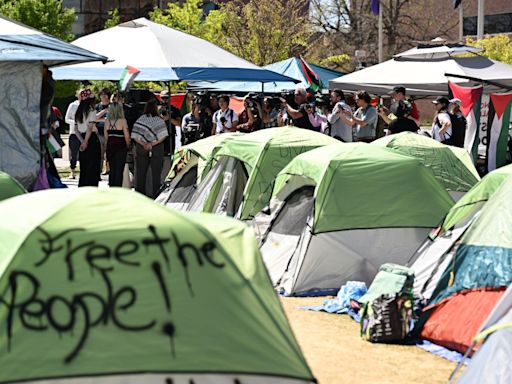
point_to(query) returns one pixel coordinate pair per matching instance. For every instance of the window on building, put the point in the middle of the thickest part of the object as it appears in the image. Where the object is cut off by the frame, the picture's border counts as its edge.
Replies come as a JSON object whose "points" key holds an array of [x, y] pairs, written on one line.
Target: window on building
{"points": [[501, 23]]}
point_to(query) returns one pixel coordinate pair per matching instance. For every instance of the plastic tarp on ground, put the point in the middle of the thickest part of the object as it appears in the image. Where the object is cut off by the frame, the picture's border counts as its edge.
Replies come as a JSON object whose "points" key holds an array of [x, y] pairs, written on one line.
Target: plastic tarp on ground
{"points": [[482, 262], [9, 187], [292, 67], [451, 166], [161, 53], [364, 213], [124, 293], [421, 76]]}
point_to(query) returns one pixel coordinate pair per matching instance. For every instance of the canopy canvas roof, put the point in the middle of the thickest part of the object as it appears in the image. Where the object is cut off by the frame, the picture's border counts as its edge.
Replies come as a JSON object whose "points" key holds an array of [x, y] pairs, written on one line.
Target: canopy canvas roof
{"points": [[161, 53], [21, 43], [426, 73], [138, 295], [293, 67]]}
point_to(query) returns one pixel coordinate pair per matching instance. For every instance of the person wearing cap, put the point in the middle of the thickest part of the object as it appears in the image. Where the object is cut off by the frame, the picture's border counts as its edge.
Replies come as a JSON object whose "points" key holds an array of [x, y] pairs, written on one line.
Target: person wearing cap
{"points": [[339, 117], [459, 123], [442, 125], [365, 118], [398, 94], [401, 123], [90, 148]]}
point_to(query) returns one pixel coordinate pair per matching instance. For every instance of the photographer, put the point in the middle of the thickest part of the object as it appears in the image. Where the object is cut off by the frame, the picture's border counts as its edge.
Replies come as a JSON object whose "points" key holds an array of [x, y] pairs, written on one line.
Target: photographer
{"points": [[253, 112], [270, 113], [300, 116], [191, 125], [225, 119]]}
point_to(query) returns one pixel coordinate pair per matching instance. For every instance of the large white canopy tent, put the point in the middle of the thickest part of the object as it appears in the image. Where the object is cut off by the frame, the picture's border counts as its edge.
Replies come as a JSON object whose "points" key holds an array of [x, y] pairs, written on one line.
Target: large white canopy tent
{"points": [[23, 53], [426, 69], [161, 54]]}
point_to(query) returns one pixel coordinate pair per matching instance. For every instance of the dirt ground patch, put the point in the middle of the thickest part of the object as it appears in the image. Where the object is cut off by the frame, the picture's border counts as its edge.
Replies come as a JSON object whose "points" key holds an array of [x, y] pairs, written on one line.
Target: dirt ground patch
{"points": [[336, 354]]}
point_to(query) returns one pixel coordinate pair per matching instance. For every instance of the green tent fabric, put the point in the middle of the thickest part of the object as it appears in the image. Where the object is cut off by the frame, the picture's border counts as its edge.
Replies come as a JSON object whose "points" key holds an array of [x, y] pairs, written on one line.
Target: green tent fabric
{"points": [[477, 196], [201, 150], [370, 175], [484, 256], [9, 186], [452, 166], [264, 153], [108, 285]]}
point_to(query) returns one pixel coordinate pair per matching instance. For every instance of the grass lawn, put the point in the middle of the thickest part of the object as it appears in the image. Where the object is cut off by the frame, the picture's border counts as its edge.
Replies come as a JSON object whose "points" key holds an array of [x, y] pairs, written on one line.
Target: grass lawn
{"points": [[336, 353]]}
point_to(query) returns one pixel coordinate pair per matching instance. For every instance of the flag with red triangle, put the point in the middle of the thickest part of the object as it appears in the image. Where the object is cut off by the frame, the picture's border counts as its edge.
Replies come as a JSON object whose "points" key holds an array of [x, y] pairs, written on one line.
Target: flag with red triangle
{"points": [[315, 83], [127, 77], [471, 98], [497, 130]]}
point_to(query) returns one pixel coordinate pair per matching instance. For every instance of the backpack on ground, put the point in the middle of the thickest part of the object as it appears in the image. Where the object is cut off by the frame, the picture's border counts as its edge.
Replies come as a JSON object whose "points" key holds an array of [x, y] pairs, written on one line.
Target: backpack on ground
{"points": [[387, 307]]}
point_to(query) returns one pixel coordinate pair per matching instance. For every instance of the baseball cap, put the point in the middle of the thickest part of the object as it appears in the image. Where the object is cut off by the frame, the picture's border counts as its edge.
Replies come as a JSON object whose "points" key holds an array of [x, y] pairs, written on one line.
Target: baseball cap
{"points": [[456, 101], [441, 100]]}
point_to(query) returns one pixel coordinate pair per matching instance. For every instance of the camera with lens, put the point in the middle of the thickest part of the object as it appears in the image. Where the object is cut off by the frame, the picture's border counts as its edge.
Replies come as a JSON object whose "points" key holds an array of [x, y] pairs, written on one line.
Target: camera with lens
{"points": [[202, 99]]}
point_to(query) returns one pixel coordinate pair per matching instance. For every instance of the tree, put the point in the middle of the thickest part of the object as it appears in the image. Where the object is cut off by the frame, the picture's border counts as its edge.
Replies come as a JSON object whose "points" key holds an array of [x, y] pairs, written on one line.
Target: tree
{"points": [[497, 47], [266, 31], [113, 18], [48, 16]]}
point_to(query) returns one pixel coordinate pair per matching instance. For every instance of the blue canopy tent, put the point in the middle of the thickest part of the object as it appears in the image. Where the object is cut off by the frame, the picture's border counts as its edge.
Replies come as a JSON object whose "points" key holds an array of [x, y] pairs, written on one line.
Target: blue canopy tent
{"points": [[23, 53], [161, 54], [295, 67]]}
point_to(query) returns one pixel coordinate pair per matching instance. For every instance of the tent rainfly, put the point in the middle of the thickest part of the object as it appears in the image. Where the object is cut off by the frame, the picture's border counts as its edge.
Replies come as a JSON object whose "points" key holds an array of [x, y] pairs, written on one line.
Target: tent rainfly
{"points": [[161, 54], [472, 284], [240, 183], [126, 294], [339, 212], [188, 166], [452, 166], [9, 187], [436, 253]]}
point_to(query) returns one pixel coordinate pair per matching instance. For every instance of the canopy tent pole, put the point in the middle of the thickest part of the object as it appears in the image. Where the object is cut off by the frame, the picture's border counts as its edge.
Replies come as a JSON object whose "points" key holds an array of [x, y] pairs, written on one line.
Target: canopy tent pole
{"points": [[381, 37]]}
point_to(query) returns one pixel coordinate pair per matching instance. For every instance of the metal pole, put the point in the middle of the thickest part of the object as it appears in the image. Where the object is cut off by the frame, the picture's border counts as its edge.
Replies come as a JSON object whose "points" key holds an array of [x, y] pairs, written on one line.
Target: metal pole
{"points": [[461, 23], [381, 34], [480, 20]]}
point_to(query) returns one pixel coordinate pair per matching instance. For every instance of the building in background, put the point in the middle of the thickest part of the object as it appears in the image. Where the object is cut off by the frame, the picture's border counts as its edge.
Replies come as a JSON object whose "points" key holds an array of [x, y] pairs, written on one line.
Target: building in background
{"points": [[497, 19]]}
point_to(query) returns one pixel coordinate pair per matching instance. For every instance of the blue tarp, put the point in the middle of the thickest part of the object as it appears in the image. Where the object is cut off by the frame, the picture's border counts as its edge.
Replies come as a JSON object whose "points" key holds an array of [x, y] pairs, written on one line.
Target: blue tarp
{"points": [[291, 67]]}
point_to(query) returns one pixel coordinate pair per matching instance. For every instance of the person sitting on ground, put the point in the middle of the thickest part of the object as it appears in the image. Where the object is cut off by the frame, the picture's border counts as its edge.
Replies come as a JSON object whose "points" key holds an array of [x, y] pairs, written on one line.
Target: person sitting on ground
{"points": [[401, 123], [442, 125]]}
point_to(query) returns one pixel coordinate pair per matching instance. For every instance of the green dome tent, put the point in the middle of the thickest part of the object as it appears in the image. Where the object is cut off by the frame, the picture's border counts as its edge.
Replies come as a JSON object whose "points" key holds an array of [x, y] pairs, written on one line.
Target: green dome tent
{"points": [[240, 183], [9, 186], [451, 166], [475, 279], [105, 286], [340, 211], [188, 166], [436, 253]]}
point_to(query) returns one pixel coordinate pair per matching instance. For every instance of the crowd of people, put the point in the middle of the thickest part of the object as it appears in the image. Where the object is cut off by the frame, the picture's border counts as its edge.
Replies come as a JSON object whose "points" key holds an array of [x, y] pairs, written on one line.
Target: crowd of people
{"points": [[102, 137]]}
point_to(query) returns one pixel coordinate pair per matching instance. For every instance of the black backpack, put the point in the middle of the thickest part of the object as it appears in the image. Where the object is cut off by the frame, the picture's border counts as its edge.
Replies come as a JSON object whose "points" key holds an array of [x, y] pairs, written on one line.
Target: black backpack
{"points": [[459, 124]]}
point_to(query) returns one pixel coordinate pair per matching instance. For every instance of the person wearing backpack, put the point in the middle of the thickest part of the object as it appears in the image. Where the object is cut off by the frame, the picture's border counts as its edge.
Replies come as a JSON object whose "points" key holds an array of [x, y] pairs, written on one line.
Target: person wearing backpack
{"points": [[459, 123], [442, 125], [224, 119]]}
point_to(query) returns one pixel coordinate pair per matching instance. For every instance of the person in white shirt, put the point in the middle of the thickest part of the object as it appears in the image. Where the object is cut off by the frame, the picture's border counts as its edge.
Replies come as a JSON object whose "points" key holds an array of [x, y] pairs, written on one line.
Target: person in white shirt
{"points": [[442, 125], [224, 119], [74, 142]]}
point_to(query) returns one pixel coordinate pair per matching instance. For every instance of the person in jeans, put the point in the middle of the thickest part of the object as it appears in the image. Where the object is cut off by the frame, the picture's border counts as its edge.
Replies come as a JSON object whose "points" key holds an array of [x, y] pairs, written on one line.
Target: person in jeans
{"points": [[118, 142], [149, 132]]}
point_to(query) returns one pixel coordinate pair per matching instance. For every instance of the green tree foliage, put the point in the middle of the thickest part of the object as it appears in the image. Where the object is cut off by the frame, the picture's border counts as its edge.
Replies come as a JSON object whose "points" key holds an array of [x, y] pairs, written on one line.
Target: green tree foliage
{"points": [[498, 47], [266, 31], [189, 17], [48, 16], [113, 18]]}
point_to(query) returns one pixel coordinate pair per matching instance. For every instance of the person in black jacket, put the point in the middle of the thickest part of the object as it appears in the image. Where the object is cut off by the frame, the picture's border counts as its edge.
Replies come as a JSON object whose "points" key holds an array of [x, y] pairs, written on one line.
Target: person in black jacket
{"points": [[402, 123]]}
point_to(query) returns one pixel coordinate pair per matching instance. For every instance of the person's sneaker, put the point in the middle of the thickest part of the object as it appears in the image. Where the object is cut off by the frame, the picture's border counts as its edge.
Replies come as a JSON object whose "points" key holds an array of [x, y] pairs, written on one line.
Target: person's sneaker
{"points": [[71, 177]]}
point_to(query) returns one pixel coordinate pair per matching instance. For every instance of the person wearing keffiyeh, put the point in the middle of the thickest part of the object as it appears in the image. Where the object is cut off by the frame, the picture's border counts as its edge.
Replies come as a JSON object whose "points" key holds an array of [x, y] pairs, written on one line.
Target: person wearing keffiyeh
{"points": [[149, 132]]}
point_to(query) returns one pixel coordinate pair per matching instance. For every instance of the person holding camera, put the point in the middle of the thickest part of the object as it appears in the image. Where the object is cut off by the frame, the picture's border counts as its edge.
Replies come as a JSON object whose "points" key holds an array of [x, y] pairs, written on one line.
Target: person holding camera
{"points": [[269, 114], [300, 117], [224, 119], [339, 117], [191, 125]]}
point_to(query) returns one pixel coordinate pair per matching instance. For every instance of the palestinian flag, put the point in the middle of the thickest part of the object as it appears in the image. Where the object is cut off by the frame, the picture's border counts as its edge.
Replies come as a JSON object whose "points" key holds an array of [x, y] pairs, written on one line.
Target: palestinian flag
{"points": [[497, 130], [52, 144], [129, 74], [313, 79], [471, 98]]}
